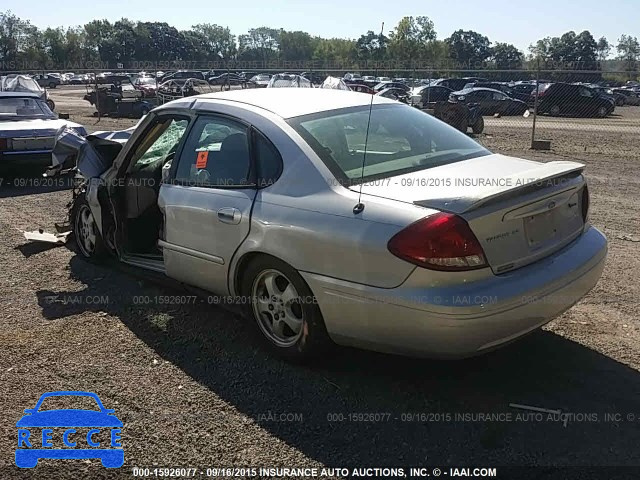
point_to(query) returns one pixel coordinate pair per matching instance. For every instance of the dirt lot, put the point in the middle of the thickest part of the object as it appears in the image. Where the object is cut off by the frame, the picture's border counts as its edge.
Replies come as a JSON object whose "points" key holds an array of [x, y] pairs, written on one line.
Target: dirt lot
{"points": [[194, 389]]}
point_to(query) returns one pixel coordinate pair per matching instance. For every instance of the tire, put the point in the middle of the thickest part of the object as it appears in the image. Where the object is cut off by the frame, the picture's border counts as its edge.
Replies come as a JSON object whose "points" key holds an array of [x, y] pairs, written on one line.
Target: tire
{"points": [[88, 239], [289, 326], [554, 111], [620, 102], [478, 126], [51, 104], [602, 112], [52, 85]]}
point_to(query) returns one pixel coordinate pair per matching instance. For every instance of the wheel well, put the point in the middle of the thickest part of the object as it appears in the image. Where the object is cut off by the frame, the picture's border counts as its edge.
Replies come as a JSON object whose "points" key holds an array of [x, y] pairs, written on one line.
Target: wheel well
{"points": [[243, 263]]}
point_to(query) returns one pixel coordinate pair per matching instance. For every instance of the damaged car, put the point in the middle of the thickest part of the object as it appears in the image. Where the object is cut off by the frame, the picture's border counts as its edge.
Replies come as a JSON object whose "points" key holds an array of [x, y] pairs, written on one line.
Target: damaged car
{"points": [[28, 128], [310, 207]]}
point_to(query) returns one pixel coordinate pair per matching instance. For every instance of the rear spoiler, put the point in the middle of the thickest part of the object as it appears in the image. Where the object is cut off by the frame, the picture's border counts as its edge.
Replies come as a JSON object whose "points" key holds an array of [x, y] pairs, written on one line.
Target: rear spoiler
{"points": [[545, 174]]}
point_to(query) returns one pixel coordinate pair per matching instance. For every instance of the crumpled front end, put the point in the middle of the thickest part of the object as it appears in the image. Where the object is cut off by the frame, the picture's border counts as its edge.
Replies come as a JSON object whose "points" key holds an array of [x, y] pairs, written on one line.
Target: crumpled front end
{"points": [[93, 154]]}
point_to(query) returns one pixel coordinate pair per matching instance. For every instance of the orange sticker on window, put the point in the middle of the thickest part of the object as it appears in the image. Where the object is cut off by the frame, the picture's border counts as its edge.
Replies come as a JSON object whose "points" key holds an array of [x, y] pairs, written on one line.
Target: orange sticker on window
{"points": [[201, 161]]}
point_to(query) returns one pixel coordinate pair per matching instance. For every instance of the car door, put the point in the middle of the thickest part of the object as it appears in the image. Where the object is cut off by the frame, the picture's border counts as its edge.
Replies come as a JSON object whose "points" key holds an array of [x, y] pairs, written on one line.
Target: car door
{"points": [[207, 202], [500, 103]]}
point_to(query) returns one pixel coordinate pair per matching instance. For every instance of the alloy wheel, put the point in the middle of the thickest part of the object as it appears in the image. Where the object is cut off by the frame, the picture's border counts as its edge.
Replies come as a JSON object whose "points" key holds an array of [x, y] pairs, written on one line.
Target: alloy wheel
{"points": [[86, 235], [277, 308]]}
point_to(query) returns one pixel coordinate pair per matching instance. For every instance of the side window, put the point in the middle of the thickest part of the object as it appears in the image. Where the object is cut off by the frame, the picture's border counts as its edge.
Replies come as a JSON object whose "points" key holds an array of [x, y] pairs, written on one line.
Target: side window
{"points": [[159, 144], [216, 153], [585, 92], [269, 162], [498, 96]]}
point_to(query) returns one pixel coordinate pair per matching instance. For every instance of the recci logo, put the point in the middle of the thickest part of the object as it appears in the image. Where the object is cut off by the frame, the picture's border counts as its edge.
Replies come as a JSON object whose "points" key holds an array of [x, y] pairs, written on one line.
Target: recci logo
{"points": [[102, 430]]}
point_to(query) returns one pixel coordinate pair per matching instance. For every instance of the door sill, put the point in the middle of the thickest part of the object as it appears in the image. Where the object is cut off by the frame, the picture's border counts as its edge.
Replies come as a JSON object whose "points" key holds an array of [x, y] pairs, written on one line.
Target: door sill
{"points": [[148, 262]]}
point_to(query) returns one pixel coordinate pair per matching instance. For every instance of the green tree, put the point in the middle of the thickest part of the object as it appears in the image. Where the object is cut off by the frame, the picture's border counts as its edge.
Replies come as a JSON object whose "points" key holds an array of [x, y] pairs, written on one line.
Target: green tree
{"points": [[259, 44], [218, 41], [411, 38], [507, 56], [603, 48], [469, 48], [372, 46], [296, 46], [629, 52]]}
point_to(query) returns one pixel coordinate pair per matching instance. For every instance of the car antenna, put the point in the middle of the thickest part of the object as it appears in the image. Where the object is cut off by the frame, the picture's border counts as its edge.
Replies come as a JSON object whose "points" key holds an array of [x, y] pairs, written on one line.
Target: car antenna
{"points": [[359, 207]]}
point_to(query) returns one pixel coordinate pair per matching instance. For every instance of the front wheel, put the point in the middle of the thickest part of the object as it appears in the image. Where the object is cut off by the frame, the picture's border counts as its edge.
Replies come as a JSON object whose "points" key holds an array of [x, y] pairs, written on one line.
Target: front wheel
{"points": [[284, 309], [85, 231], [602, 112], [554, 111]]}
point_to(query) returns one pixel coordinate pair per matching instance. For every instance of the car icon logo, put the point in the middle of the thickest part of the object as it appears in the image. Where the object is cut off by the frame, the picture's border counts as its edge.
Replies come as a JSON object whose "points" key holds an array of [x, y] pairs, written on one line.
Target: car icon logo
{"points": [[32, 447]]}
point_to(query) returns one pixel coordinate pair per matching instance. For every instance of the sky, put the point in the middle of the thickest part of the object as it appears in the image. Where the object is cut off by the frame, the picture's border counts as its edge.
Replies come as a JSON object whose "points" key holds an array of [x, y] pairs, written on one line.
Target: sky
{"points": [[512, 21]]}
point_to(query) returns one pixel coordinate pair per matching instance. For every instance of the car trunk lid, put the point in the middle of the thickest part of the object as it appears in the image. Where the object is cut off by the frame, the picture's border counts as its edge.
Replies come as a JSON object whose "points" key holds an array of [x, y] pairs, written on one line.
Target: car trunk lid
{"points": [[520, 210]]}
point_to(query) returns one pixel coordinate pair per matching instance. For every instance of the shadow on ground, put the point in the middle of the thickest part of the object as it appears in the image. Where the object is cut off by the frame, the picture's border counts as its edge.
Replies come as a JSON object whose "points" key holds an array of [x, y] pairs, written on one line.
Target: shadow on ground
{"points": [[337, 396]]}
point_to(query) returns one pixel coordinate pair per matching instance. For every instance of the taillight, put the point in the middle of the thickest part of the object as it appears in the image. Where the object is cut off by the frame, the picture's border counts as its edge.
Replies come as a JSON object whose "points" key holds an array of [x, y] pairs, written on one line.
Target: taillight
{"points": [[585, 203], [3, 144], [439, 242]]}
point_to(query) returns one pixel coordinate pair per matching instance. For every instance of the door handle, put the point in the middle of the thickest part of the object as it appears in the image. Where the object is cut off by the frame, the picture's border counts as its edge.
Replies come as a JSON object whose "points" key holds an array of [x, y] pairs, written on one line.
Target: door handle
{"points": [[230, 215]]}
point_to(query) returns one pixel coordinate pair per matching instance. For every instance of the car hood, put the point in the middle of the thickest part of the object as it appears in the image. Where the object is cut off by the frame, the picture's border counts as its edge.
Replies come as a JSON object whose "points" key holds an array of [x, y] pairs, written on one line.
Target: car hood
{"points": [[34, 127], [69, 418], [463, 186]]}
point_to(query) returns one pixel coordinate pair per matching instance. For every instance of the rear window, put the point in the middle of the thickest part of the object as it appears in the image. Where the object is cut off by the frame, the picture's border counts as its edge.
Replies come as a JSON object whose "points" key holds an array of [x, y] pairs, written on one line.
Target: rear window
{"points": [[23, 107], [401, 139]]}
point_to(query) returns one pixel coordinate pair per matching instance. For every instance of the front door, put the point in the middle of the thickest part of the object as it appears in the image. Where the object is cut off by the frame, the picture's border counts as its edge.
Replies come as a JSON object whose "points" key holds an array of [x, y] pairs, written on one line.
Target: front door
{"points": [[207, 203]]}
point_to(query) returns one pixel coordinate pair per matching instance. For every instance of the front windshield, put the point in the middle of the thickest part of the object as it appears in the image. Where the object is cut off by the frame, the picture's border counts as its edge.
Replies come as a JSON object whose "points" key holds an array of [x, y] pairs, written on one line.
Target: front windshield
{"points": [[401, 139], [23, 107]]}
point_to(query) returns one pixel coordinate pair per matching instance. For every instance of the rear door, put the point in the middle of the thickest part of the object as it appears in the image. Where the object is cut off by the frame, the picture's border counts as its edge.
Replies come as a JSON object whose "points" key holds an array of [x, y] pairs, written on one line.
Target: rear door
{"points": [[207, 204]]}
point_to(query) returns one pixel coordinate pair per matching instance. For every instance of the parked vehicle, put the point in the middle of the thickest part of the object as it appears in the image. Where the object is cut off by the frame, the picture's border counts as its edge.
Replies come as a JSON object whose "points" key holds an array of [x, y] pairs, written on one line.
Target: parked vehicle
{"points": [[523, 91], [118, 101], [78, 80], [428, 96], [147, 85], [454, 84], [181, 75], [490, 101], [259, 81], [566, 99], [316, 263], [606, 92], [352, 77], [630, 97], [226, 79], [388, 84], [25, 84], [289, 80], [28, 128], [460, 116], [356, 87], [48, 81], [394, 93]]}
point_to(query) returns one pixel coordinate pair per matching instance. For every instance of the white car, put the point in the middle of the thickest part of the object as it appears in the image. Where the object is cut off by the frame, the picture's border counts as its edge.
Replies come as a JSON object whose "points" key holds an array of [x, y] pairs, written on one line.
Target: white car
{"points": [[28, 128]]}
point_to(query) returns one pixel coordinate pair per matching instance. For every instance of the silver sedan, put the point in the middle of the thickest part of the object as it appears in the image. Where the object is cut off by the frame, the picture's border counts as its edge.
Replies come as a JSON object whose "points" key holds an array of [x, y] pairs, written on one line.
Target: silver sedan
{"points": [[336, 220]]}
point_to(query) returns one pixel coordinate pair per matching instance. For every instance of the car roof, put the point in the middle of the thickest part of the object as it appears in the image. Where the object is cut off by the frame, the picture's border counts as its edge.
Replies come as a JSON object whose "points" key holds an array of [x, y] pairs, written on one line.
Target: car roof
{"points": [[294, 102], [19, 94]]}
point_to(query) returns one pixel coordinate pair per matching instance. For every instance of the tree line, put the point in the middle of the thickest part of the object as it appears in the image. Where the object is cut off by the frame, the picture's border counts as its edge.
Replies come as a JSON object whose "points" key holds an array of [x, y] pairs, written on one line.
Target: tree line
{"points": [[414, 39]]}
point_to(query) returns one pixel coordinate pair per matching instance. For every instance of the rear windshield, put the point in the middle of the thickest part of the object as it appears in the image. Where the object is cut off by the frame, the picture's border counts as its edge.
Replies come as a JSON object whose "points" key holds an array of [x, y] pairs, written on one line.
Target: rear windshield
{"points": [[401, 139], [20, 107]]}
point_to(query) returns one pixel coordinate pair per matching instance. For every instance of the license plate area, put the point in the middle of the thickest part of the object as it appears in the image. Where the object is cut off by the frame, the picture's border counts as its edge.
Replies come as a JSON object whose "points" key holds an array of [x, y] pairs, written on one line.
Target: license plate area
{"points": [[541, 228], [32, 143]]}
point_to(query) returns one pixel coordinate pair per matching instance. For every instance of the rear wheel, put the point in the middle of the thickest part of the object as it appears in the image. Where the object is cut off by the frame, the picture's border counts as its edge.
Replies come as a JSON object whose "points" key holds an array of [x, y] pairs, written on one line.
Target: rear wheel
{"points": [[85, 231], [554, 111], [478, 126], [620, 102], [284, 309], [602, 112], [52, 85]]}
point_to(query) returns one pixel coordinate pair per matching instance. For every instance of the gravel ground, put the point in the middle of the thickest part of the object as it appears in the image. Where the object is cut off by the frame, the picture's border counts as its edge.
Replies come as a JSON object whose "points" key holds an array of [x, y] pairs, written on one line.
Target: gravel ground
{"points": [[194, 389]]}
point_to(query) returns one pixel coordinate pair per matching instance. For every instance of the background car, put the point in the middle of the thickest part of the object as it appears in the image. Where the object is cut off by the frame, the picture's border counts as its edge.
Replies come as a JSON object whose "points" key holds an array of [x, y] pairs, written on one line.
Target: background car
{"points": [[48, 81], [566, 99], [631, 97], [427, 96], [390, 84], [259, 81], [28, 128], [490, 101], [356, 87]]}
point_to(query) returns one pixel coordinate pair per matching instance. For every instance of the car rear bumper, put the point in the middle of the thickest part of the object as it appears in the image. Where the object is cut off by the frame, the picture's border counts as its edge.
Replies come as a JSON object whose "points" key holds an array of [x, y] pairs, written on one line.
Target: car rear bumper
{"points": [[464, 319]]}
